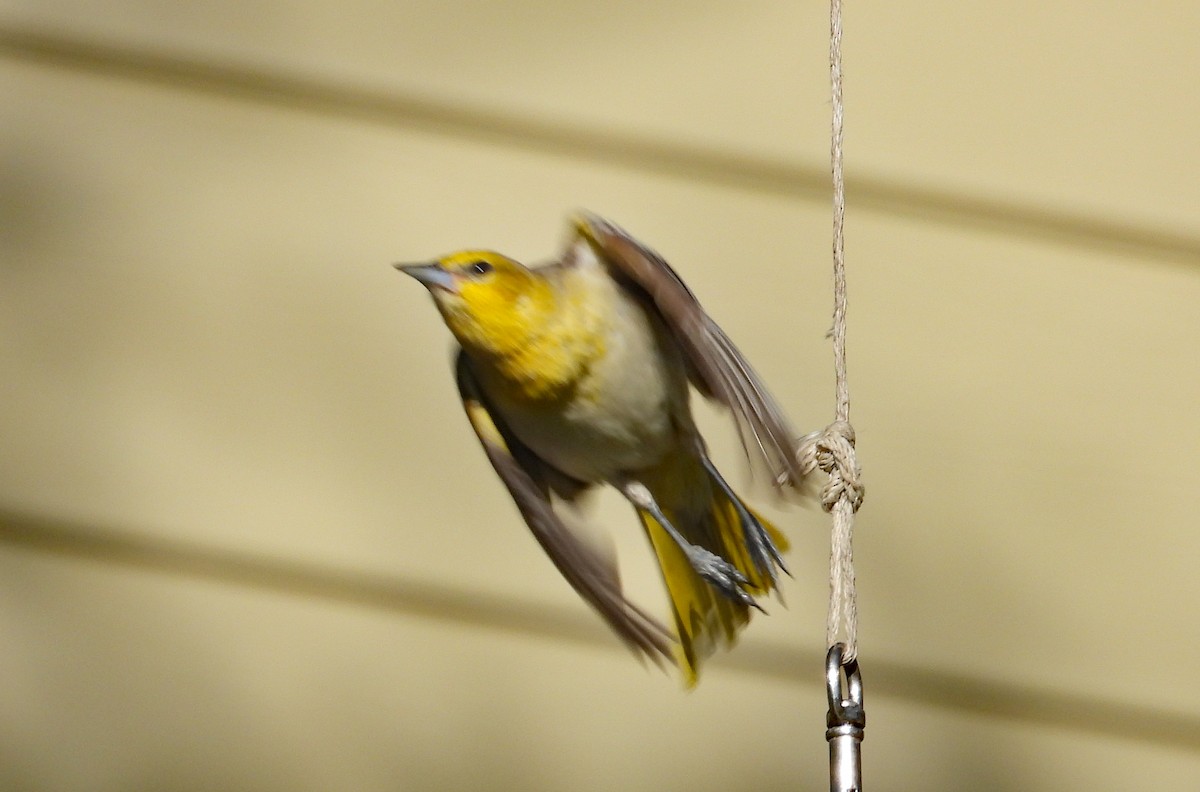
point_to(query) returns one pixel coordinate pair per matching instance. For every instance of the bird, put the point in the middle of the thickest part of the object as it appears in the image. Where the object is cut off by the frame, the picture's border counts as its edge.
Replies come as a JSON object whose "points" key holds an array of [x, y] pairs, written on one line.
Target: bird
{"points": [[577, 374]]}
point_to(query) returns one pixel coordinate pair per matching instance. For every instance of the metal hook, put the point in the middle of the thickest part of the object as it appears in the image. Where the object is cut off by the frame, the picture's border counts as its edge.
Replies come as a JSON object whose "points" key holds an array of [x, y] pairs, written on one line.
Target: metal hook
{"points": [[846, 721]]}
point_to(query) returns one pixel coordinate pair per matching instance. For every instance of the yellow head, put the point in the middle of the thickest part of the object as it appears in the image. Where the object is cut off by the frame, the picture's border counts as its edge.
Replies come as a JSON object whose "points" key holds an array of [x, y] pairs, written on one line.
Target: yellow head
{"points": [[495, 306]]}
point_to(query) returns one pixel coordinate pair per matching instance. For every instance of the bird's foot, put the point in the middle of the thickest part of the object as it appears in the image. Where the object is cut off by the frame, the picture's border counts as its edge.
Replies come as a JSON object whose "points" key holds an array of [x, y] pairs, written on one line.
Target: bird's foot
{"points": [[721, 575]]}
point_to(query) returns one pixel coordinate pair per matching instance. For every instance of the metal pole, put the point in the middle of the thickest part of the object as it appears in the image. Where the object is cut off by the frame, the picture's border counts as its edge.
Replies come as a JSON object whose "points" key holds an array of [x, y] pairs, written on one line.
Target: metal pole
{"points": [[846, 721]]}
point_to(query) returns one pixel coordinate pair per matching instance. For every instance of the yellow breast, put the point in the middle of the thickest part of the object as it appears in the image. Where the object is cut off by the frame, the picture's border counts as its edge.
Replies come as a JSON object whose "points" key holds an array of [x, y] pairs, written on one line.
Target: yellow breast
{"points": [[541, 335], [604, 393]]}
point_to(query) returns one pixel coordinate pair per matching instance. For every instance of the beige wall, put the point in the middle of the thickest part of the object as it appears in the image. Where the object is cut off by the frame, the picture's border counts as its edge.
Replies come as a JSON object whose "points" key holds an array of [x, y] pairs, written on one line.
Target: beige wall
{"points": [[247, 540]]}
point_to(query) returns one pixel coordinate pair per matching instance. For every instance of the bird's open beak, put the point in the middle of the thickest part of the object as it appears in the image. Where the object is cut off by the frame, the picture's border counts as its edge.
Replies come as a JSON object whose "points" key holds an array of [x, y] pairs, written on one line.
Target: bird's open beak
{"points": [[433, 276]]}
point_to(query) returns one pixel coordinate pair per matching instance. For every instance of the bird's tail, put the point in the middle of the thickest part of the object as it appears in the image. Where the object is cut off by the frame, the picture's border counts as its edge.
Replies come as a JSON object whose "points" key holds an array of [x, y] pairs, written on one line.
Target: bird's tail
{"points": [[708, 513]]}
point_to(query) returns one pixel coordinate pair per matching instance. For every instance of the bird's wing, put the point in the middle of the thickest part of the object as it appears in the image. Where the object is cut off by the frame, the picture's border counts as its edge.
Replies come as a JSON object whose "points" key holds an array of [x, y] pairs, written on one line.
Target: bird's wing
{"points": [[528, 479], [718, 369]]}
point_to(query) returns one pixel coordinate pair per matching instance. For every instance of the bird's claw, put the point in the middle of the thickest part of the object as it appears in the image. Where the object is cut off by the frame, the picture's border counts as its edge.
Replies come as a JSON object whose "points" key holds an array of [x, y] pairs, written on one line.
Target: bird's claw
{"points": [[724, 576]]}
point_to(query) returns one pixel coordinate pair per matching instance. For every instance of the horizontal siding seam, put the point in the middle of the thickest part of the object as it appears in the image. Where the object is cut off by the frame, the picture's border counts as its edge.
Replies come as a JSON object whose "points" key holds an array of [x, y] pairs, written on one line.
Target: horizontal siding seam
{"points": [[624, 150], [498, 611]]}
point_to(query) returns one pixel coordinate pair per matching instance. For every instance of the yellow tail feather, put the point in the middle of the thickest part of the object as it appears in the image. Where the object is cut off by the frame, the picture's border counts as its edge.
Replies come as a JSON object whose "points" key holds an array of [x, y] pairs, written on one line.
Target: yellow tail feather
{"points": [[705, 618]]}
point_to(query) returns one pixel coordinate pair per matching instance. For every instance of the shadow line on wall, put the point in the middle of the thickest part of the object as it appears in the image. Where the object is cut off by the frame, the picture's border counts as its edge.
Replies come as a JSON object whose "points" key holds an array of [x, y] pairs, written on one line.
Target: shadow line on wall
{"points": [[489, 610], [616, 148]]}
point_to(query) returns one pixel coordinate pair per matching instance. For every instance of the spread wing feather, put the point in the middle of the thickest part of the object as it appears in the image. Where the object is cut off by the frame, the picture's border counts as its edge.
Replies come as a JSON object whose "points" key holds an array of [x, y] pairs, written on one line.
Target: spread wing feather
{"points": [[529, 480], [718, 369]]}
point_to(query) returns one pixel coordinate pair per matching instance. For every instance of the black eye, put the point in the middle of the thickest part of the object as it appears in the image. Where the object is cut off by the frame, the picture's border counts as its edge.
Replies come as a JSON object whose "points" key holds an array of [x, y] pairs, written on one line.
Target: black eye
{"points": [[480, 268]]}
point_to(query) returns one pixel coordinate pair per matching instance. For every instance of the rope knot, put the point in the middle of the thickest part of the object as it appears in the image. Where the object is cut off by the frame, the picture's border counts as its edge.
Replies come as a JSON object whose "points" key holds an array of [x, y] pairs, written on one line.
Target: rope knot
{"points": [[832, 450]]}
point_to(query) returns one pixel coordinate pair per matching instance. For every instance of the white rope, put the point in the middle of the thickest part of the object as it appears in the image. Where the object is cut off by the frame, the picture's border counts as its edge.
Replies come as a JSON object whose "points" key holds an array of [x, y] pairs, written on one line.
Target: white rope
{"points": [[832, 450]]}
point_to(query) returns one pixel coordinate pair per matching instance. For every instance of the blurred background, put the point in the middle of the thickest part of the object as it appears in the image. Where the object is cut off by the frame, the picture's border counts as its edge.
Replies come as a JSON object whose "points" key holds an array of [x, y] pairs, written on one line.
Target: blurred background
{"points": [[248, 541]]}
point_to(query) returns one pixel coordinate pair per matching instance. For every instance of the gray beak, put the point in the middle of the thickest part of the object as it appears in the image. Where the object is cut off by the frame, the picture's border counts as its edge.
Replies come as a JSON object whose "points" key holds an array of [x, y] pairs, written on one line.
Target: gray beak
{"points": [[432, 276]]}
